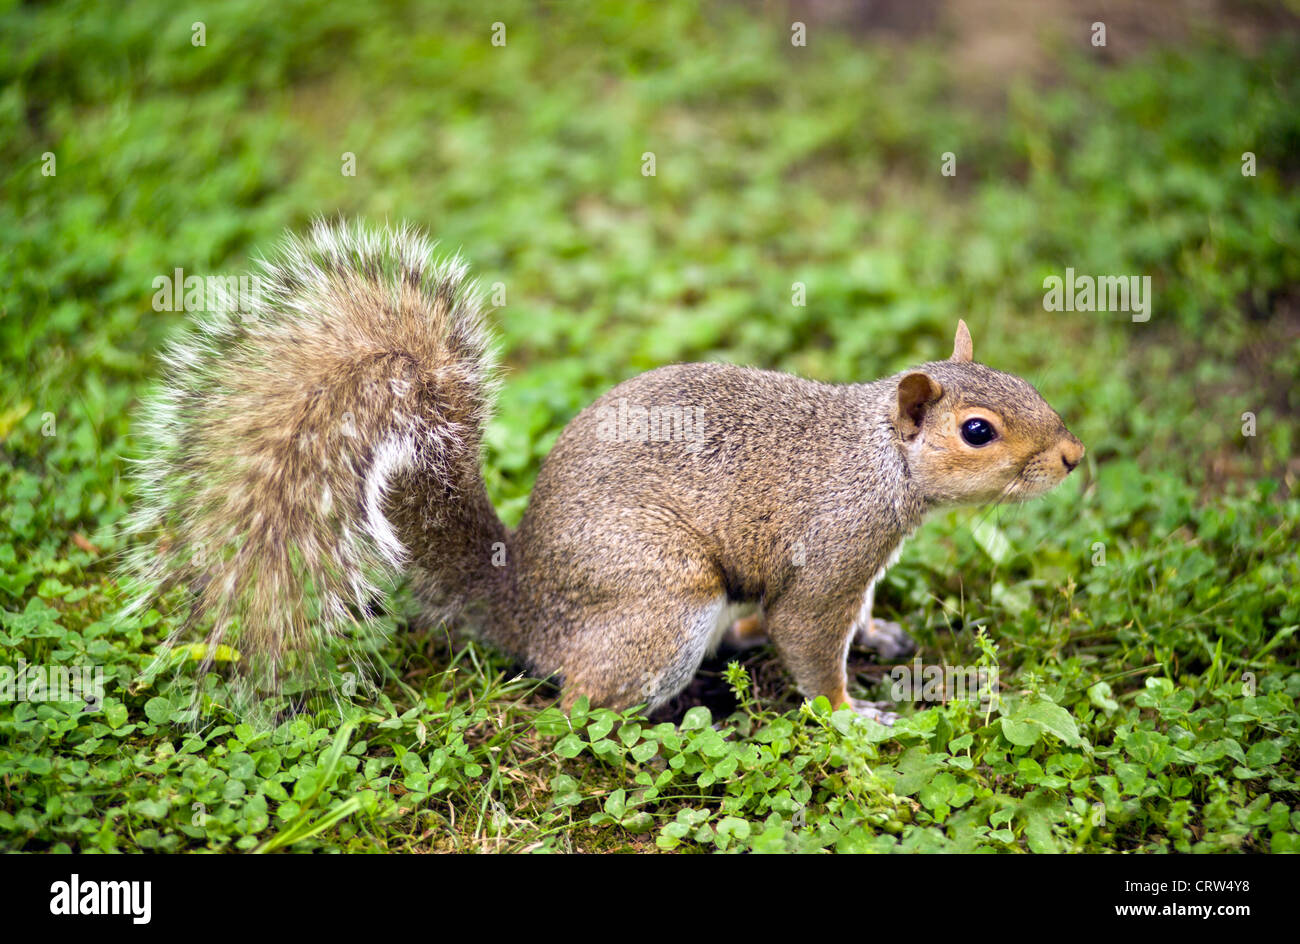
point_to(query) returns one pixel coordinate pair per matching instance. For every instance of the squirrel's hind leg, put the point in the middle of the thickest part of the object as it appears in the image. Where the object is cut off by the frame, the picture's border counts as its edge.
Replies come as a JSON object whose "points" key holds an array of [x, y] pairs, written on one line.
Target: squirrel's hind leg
{"points": [[637, 654]]}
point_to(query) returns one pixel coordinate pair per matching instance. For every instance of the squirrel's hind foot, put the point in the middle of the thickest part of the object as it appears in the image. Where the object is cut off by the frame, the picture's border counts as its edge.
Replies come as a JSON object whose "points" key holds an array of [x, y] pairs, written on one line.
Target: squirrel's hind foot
{"points": [[875, 710], [746, 632], [888, 640]]}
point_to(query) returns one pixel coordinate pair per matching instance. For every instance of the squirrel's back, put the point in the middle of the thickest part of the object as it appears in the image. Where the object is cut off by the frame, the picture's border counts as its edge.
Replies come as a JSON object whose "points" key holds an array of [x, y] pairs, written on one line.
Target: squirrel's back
{"points": [[719, 450]]}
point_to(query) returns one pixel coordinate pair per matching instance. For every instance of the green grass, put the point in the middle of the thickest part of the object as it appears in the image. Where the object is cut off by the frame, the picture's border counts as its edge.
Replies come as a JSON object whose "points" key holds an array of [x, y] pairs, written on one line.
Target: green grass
{"points": [[1149, 700]]}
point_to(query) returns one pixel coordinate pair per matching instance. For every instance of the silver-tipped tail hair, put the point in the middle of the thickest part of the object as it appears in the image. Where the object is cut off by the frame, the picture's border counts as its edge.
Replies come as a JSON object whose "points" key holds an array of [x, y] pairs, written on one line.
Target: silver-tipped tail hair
{"points": [[270, 452]]}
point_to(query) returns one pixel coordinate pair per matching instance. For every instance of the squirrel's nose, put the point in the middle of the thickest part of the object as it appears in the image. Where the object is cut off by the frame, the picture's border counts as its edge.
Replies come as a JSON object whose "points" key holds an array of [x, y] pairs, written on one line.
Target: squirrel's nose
{"points": [[1071, 452]]}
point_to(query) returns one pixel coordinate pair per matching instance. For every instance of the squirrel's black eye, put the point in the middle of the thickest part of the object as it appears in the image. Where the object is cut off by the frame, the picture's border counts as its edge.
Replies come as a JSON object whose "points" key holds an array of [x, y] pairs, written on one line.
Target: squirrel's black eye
{"points": [[977, 432]]}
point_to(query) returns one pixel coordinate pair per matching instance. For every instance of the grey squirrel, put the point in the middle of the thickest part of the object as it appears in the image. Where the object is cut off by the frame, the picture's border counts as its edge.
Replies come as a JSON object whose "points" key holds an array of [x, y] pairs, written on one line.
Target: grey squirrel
{"points": [[297, 457]]}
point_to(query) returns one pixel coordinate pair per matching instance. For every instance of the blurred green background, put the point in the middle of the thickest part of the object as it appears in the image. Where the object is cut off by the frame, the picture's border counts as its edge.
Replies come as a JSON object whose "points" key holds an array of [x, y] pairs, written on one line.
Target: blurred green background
{"points": [[775, 164]]}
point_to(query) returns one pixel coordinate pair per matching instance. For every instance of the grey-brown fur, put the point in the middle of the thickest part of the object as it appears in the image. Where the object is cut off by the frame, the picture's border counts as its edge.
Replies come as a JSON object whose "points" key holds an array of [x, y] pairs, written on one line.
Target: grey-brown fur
{"points": [[757, 486]]}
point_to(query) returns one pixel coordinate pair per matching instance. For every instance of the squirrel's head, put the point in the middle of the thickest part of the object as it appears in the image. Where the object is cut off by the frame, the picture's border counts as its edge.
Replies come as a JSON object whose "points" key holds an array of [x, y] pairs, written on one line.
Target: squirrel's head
{"points": [[971, 434]]}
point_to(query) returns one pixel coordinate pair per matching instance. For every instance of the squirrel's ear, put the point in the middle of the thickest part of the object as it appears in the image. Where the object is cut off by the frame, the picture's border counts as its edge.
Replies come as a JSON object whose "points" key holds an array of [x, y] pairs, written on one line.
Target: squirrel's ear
{"points": [[916, 392], [962, 351]]}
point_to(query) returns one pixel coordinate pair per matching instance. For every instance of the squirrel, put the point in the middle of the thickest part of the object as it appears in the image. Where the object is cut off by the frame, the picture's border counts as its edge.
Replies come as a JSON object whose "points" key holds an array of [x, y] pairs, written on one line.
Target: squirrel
{"points": [[300, 454]]}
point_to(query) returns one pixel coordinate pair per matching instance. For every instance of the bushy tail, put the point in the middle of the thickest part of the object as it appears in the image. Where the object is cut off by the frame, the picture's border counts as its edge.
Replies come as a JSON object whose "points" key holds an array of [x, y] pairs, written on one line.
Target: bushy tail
{"points": [[310, 446]]}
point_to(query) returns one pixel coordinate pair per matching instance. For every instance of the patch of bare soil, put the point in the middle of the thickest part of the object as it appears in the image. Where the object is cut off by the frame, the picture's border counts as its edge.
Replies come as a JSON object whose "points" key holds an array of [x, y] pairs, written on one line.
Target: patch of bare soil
{"points": [[772, 686], [993, 42]]}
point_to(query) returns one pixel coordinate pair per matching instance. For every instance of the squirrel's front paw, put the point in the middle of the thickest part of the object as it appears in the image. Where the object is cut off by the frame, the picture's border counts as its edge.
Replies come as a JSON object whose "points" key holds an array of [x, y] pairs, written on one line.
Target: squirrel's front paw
{"points": [[886, 639], [875, 710]]}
